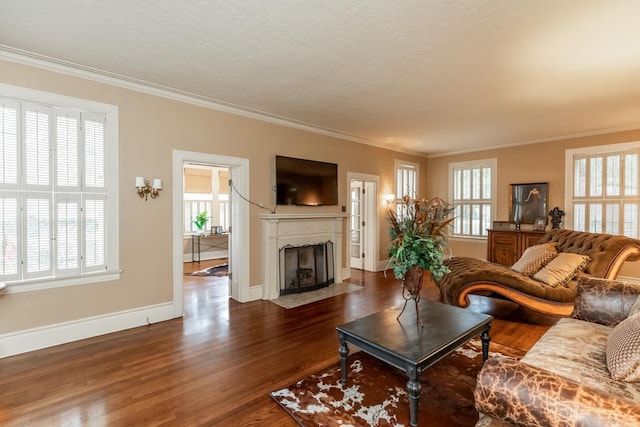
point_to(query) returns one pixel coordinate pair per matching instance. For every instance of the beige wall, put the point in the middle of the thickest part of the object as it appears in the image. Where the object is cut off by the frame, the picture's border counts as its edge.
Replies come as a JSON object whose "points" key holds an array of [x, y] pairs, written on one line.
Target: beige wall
{"points": [[150, 128], [543, 162]]}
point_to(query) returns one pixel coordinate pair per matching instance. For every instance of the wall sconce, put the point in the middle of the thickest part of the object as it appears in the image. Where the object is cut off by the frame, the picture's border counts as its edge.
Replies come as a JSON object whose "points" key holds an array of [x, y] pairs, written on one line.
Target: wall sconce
{"points": [[145, 188], [388, 198]]}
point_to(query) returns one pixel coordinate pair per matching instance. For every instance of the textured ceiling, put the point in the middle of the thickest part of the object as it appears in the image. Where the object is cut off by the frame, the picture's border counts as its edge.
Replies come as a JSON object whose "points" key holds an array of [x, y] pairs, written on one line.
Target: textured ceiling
{"points": [[426, 76]]}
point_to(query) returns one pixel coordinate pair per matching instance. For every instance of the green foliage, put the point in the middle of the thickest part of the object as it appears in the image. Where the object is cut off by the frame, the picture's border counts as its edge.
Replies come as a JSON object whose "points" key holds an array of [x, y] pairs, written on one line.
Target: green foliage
{"points": [[418, 236], [201, 220]]}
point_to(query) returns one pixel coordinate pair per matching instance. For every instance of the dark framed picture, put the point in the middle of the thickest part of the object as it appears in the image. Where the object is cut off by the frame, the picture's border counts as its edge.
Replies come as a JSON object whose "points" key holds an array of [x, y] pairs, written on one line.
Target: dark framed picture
{"points": [[527, 202], [540, 224]]}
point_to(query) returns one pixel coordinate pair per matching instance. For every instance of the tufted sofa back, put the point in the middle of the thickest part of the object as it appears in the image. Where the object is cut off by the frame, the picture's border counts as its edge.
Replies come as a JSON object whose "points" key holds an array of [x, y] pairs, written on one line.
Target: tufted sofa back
{"points": [[607, 252]]}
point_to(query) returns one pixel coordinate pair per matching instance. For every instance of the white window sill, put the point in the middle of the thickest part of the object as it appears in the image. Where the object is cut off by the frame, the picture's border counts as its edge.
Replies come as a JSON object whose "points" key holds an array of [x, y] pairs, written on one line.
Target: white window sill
{"points": [[48, 283]]}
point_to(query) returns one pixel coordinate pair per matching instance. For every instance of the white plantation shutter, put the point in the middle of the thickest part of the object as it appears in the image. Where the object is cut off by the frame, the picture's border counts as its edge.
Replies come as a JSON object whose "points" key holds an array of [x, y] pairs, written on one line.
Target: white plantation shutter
{"points": [[595, 187], [54, 210], [472, 185], [604, 194], [67, 239], [580, 215], [9, 141], [94, 231], [9, 250], [67, 130], [580, 177], [406, 182], [630, 219], [38, 236], [595, 218], [37, 153], [94, 153], [406, 179], [631, 174]]}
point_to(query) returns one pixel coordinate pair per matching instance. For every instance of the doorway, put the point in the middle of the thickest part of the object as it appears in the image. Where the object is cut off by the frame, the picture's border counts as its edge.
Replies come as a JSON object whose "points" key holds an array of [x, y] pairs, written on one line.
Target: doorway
{"points": [[363, 220], [206, 216], [238, 169]]}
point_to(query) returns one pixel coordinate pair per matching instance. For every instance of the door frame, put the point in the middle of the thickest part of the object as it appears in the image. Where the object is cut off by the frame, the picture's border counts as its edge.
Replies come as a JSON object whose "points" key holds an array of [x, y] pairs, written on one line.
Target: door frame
{"points": [[372, 238], [239, 236]]}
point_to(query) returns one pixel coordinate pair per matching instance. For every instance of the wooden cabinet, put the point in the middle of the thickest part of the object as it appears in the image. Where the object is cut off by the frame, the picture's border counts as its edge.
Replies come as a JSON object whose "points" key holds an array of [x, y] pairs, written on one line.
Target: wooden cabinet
{"points": [[506, 246]]}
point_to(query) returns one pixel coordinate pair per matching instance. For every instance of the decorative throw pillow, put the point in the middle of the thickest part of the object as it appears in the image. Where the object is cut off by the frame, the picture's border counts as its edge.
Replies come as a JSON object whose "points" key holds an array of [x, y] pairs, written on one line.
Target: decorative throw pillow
{"points": [[564, 267], [635, 307], [534, 258], [623, 350]]}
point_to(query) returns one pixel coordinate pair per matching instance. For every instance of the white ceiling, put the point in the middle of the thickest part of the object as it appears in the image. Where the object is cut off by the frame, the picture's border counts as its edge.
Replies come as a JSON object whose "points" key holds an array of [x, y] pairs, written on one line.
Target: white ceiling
{"points": [[421, 75]]}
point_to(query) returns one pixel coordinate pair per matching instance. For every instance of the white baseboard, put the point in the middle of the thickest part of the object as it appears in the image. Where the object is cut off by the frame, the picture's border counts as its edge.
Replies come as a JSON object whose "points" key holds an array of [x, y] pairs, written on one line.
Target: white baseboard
{"points": [[629, 279], [382, 265], [256, 292], [205, 256], [48, 336]]}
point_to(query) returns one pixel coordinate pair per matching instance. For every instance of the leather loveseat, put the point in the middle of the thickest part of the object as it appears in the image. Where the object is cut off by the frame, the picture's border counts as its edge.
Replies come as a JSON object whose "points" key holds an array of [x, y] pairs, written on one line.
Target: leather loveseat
{"points": [[584, 371]]}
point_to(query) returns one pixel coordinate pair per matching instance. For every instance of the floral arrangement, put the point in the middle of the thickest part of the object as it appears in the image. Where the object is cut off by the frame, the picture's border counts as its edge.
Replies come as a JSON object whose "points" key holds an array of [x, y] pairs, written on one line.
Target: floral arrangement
{"points": [[418, 235]]}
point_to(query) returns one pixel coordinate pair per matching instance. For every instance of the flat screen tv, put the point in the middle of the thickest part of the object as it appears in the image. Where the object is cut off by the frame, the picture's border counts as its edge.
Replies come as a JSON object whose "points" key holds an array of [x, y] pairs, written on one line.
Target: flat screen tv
{"points": [[303, 182]]}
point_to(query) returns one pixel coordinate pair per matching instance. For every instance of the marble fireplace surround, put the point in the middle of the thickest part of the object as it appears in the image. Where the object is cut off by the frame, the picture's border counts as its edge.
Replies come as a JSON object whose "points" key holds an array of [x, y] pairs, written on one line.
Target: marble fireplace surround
{"points": [[279, 230]]}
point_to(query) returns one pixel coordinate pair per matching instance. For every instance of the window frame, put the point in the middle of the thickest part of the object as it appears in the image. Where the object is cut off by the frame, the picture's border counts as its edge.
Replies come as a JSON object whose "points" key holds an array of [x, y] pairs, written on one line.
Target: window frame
{"points": [[570, 155], [108, 113], [402, 165], [492, 163]]}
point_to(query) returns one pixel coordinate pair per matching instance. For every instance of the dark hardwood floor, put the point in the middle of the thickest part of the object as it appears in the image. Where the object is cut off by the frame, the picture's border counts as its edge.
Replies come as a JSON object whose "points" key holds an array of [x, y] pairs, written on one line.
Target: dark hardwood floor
{"points": [[213, 367]]}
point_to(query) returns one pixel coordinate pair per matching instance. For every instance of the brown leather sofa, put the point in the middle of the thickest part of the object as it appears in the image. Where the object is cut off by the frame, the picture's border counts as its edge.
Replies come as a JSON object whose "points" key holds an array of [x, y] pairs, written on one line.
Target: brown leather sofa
{"points": [[476, 276], [564, 380]]}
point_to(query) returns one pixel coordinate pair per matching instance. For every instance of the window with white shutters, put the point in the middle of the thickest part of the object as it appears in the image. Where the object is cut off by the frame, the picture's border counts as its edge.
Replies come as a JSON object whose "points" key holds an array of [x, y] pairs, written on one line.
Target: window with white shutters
{"points": [[472, 192], [56, 219], [406, 183], [406, 179], [603, 189]]}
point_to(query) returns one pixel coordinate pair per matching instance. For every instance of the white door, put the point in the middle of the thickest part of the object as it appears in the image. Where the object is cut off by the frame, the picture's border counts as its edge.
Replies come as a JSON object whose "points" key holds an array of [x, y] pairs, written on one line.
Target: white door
{"points": [[363, 220], [356, 225], [368, 230]]}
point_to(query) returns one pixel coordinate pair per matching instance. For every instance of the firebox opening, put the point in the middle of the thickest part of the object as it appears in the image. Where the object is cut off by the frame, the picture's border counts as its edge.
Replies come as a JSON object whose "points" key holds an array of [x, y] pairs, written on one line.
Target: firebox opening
{"points": [[306, 268]]}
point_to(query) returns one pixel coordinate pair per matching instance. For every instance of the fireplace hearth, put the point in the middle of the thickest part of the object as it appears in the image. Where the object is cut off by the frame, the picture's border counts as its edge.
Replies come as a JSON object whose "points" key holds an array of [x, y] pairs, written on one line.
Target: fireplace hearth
{"points": [[280, 230], [306, 267]]}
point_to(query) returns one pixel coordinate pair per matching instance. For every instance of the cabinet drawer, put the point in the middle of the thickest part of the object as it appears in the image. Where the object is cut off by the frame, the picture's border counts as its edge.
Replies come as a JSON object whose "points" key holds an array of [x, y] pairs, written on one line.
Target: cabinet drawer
{"points": [[506, 246], [505, 239]]}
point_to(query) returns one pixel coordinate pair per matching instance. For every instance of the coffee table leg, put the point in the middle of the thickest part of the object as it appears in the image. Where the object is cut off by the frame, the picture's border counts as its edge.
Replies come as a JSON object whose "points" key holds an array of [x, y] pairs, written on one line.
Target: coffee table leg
{"points": [[413, 387], [344, 353], [485, 343]]}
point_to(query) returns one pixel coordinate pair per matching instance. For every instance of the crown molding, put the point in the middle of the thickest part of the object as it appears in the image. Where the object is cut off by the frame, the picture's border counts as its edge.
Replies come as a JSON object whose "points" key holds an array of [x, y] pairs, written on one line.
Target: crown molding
{"points": [[540, 140], [101, 76]]}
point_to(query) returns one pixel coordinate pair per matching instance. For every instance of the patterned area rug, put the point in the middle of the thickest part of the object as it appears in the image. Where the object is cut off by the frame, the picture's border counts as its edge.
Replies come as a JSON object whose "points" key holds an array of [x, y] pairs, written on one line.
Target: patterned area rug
{"points": [[217, 270], [376, 396]]}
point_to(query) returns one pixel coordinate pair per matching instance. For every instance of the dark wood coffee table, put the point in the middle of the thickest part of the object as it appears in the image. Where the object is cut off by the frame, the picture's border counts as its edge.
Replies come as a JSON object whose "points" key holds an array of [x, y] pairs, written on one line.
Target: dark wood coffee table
{"points": [[409, 347]]}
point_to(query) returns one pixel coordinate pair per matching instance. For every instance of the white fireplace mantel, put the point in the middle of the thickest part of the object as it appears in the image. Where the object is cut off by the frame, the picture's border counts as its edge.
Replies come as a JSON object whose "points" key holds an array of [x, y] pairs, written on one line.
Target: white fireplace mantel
{"points": [[279, 230]]}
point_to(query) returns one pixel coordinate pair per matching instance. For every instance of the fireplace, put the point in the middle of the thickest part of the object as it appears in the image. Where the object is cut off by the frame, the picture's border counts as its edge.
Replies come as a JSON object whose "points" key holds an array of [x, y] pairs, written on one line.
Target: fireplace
{"points": [[306, 268], [281, 230]]}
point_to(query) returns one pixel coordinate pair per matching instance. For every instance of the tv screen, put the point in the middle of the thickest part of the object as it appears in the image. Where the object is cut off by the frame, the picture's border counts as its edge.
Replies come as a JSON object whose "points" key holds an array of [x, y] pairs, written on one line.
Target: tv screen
{"points": [[303, 182]]}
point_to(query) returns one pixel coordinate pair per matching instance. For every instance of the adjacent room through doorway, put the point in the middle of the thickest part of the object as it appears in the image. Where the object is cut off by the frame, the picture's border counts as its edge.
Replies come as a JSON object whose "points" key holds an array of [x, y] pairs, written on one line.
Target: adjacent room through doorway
{"points": [[206, 223]]}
